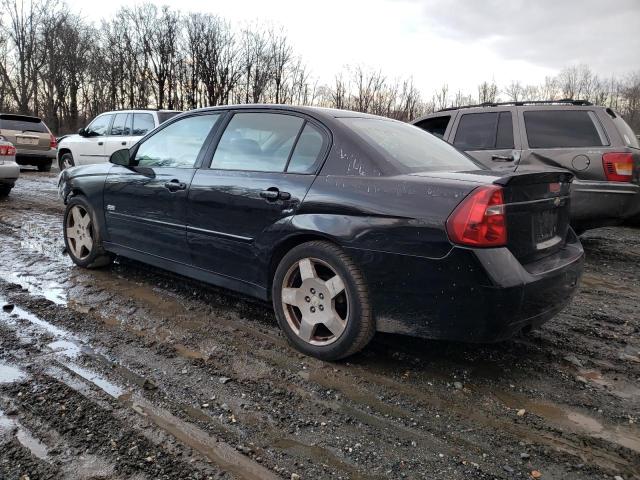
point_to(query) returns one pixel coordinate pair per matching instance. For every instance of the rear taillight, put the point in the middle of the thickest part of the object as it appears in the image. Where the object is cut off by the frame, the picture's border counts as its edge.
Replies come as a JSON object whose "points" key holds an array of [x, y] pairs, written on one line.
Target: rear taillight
{"points": [[53, 143], [479, 220], [7, 150], [618, 167]]}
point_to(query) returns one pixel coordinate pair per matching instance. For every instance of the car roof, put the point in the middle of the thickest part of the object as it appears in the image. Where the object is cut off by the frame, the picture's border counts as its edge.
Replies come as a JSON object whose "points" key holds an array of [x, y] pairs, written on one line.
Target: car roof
{"points": [[320, 112]]}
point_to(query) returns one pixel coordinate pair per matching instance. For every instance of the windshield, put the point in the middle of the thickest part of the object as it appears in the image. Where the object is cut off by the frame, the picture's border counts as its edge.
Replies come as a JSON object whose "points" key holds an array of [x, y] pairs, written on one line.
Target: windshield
{"points": [[413, 149]]}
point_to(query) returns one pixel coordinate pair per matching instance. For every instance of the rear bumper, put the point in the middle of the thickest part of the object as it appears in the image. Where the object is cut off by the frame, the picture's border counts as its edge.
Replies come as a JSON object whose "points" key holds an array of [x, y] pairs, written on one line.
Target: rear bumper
{"points": [[9, 172], [35, 157], [598, 204], [474, 295]]}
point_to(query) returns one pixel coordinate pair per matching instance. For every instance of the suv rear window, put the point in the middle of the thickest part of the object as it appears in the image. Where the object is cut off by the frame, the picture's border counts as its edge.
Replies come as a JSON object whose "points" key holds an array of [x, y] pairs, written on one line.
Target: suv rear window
{"points": [[164, 116], [484, 131], [22, 124], [563, 128], [436, 126]]}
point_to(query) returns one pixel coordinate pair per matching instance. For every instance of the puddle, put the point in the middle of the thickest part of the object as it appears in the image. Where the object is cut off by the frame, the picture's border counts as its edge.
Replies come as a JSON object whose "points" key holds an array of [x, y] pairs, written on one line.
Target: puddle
{"points": [[9, 374], [49, 289], [619, 388], [66, 348], [35, 446], [564, 417], [95, 378]]}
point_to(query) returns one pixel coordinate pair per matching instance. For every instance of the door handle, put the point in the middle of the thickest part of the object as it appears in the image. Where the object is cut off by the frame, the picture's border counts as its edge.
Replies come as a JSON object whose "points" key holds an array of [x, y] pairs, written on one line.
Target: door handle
{"points": [[124, 143], [272, 194], [175, 185], [502, 158], [100, 143]]}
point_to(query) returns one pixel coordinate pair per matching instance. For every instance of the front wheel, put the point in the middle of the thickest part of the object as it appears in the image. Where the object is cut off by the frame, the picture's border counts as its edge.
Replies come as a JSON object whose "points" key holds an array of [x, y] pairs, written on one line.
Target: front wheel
{"points": [[66, 161], [82, 235], [4, 190], [321, 301]]}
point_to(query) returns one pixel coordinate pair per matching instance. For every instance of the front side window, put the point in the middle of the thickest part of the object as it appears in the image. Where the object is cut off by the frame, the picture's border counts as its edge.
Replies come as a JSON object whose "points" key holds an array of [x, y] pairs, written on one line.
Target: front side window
{"points": [[563, 128], [99, 126], [142, 123], [410, 148], [484, 131], [178, 145], [258, 142], [121, 124]]}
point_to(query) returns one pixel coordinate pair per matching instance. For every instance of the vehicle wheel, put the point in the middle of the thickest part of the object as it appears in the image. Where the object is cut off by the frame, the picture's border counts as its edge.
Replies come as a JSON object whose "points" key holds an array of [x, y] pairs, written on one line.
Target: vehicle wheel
{"points": [[66, 161], [4, 190], [82, 236], [44, 167], [322, 301]]}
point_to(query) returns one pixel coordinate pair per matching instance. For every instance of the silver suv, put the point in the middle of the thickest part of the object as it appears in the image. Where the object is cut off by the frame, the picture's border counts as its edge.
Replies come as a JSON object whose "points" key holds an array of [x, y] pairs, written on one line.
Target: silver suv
{"points": [[592, 142]]}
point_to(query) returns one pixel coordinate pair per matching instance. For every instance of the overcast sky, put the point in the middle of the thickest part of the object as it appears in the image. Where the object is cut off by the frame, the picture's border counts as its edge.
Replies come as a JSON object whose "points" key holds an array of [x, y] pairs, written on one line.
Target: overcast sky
{"points": [[458, 42]]}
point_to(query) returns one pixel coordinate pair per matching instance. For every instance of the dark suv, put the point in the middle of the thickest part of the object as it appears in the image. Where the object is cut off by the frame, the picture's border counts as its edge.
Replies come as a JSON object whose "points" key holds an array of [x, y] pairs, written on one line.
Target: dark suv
{"points": [[593, 142]]}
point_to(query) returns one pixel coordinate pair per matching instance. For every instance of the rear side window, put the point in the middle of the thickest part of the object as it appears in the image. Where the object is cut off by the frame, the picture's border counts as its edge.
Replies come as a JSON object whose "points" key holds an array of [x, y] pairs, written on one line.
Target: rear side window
{"points": [[436, 126], [142, 123], [484, 131], [628, 136], [563, 128], [121, 124], [259, 142], [307, 150], [22, 124]]}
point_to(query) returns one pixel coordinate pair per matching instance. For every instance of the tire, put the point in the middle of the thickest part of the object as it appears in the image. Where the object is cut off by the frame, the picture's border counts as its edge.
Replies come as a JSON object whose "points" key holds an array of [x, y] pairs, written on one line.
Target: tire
{"points": [[83, 253], [4, 190], [66, 161], [342, 335], [44, 167]]}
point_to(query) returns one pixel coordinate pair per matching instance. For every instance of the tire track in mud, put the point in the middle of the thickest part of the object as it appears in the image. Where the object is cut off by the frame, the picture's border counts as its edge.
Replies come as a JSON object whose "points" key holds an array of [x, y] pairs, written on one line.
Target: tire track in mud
{"points": [[399, 393]]}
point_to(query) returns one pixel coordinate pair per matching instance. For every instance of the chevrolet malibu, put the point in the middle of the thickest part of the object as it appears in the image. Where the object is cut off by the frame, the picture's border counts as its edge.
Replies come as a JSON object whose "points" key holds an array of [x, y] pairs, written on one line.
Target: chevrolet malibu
{"points": [[348, 223]]}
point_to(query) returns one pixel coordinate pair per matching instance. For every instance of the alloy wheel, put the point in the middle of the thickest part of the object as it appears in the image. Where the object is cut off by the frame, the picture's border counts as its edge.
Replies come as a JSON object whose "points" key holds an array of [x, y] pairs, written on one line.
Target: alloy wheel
{"points": [[315, 301], [79, 232]]}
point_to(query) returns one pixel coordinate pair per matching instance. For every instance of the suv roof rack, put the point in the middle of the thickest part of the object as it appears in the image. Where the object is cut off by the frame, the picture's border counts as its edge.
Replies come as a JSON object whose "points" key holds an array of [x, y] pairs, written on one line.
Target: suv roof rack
{"points": [[564, 101]]}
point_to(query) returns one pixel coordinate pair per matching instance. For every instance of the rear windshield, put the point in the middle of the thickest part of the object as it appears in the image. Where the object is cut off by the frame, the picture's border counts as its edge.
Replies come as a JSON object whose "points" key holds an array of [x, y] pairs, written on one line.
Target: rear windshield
{"points": [[164, 116], [413, 149], [563, 128], [22, 124]]}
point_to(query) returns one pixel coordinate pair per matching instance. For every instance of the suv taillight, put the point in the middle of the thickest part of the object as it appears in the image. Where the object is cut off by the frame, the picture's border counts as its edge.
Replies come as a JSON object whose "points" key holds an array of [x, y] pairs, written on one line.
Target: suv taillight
{"points": [[7, 150], [618, 167], [53, 143], [479, 220]]}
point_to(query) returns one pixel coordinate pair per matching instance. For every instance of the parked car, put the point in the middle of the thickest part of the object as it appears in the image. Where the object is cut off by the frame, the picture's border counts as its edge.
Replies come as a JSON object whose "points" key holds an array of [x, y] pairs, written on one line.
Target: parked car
{"points": [[107, 133], [592, 142], [349, 223], [35, 144], [9, 169]]}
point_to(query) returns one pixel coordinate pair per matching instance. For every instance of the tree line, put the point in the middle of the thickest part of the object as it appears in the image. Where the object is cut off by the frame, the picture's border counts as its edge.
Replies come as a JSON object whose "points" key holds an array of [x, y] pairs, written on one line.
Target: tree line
{"points": [[57, 65]]}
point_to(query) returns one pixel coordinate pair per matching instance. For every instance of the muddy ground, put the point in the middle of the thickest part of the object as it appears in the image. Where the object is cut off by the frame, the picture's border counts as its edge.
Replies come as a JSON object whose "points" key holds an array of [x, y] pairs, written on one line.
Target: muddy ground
{"points": [[132, 373]]}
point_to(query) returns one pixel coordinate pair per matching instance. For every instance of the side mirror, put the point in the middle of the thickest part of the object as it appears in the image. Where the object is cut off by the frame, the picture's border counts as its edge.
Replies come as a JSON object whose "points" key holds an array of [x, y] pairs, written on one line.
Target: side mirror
{"points": [[121, 157], [82, 132]]}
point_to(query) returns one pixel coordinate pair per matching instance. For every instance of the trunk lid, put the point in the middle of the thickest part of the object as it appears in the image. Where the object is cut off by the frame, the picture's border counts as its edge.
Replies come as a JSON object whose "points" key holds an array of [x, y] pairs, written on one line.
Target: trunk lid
{"points": [[537, 209]]}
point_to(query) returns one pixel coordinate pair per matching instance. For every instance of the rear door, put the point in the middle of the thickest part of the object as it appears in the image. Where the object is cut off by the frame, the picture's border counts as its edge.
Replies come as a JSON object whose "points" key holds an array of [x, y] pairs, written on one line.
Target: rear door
{"points": [[262, 168], [146, 204], [488, 137], [564, 137]]}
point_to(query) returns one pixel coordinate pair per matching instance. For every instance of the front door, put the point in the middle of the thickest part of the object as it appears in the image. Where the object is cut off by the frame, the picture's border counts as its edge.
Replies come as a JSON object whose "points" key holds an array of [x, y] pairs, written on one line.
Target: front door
{"points": [[146, 204], [262, 168], [488, 137], [91, 147]]}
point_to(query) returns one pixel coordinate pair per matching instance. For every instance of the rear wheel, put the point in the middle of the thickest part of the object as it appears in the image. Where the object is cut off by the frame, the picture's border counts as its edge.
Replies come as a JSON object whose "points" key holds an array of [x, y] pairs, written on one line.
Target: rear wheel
{"points": [[4, 190], [44, 167], [66, 161], [321, 301], [82, 235]]}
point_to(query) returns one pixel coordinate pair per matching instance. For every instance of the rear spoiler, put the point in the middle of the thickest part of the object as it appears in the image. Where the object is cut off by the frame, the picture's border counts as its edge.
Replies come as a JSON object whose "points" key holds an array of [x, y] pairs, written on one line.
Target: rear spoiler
{"points": [[22, 118], [528, 177]]}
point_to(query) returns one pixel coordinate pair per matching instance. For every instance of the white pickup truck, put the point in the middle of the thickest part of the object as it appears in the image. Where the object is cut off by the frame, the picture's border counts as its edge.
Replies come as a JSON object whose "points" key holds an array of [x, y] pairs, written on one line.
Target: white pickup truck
{"points": [[107, 133], [9, 169]]}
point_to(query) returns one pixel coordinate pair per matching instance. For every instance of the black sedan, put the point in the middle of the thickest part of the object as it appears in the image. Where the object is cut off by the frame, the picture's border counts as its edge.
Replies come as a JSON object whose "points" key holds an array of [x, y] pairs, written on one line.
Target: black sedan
{"points": [[349, 223]]}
